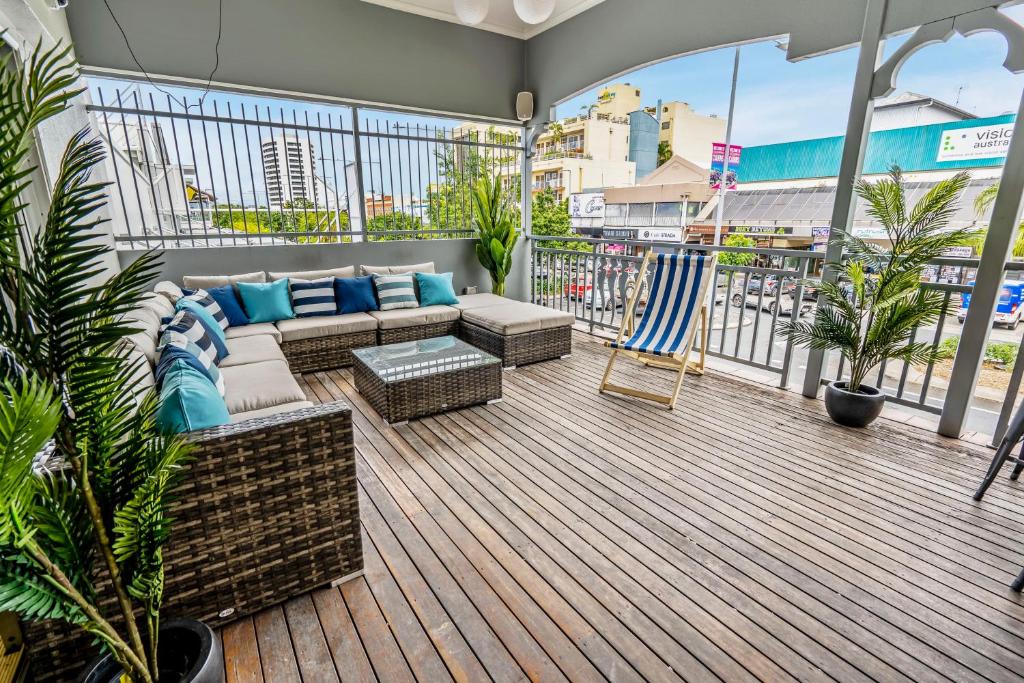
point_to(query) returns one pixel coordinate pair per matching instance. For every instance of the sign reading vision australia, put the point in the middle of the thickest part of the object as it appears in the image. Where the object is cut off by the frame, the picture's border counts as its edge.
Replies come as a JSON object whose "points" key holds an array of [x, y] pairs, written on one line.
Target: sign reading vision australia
{"points": [[981, 142]]}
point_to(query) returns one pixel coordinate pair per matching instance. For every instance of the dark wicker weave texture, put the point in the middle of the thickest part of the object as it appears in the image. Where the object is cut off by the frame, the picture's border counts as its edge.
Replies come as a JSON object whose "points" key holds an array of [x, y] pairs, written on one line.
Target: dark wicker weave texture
{"points": [[519, 349], [325, 353], [414, 332], [402, 400], [268, 510]]}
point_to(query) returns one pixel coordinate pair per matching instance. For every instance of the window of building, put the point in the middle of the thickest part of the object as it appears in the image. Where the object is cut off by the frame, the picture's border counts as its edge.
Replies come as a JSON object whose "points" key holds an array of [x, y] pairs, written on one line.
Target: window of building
{"points": [[668, 213], [665, 125], [614, 214], [641, 214]]}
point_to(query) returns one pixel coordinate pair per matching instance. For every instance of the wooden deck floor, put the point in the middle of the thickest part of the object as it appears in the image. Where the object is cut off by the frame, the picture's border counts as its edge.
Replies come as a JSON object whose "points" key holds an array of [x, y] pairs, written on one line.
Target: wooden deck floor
{"points": [[561, 534]]}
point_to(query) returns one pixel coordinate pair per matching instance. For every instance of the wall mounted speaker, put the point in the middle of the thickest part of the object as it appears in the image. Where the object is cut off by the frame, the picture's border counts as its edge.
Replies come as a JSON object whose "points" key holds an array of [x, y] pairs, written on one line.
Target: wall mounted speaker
{"points": [[524, 106]]}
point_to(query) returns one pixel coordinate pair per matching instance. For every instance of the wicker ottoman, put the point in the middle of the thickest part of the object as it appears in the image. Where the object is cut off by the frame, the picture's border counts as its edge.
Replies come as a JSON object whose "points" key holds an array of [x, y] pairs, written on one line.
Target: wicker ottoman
{"points": [[518, 333], [424, 377]]}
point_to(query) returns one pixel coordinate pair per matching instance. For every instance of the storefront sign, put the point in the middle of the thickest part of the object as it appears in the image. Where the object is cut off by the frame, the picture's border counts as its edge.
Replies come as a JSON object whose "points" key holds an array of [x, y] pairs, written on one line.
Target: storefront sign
{"points": [[586, 205], [619, 234], [718, 164], [819, 238], [958, 252], [660, 234], [980, 142]]}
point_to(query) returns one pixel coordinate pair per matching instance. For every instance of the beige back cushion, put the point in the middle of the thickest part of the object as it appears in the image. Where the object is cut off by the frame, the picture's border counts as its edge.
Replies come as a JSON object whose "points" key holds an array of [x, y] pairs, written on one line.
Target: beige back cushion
{"points": [[170, 291], [207, 281], [148, 317], [346, 271], [427, 267]]}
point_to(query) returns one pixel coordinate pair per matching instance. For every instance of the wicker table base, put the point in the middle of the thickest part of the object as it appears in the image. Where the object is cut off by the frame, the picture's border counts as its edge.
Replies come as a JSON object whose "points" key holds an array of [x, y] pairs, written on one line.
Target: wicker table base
{"points": [[399, 400]]}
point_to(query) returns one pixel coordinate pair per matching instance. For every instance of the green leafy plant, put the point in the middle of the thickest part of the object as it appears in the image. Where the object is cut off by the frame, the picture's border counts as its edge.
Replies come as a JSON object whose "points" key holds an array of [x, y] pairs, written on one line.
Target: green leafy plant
{"points": [[985, 199], [70, 384], [737, 258], [494, 219], [870, 313]]}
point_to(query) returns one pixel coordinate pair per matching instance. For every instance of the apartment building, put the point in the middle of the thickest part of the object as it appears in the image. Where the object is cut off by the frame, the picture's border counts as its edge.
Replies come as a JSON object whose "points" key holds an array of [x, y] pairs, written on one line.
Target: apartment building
{"points": [[688, 133], [289, 163]]}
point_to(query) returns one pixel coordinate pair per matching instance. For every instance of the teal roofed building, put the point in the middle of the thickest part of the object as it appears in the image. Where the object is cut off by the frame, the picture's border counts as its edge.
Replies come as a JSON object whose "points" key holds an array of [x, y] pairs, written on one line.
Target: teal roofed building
{"points": [[916, 148]]}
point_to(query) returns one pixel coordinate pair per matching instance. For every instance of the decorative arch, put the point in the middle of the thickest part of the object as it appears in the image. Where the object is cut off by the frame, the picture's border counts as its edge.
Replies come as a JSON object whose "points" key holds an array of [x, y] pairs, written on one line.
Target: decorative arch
{"points": [[988, 19]]}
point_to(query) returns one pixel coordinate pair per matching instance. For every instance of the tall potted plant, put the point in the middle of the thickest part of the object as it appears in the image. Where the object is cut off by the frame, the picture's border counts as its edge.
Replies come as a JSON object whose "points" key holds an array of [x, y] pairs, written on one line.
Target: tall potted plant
{"points": [[494, 220], [870, 313], [86, 475]]}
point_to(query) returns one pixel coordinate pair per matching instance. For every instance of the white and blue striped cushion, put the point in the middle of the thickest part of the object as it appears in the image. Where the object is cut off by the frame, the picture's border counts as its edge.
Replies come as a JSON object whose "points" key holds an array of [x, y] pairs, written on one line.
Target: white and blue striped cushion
{"points": [[313, 297], [185, 333], [677, 294], [203, 298], [395, 291]]}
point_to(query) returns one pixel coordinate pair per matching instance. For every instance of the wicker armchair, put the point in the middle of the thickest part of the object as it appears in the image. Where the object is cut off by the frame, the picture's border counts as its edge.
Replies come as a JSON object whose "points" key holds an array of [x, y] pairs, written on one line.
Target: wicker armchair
{"points": [[268, 510]]}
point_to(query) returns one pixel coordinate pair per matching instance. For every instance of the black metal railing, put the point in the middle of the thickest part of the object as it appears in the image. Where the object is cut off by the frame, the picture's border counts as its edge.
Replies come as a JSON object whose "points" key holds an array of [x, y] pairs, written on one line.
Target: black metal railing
{"points": [[193, 172]]}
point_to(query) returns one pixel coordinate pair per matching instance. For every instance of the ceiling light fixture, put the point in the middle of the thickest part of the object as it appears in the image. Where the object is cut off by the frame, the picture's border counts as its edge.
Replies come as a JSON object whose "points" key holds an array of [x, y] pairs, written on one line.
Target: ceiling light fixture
{"points": [[534, 11], [471, 12]]}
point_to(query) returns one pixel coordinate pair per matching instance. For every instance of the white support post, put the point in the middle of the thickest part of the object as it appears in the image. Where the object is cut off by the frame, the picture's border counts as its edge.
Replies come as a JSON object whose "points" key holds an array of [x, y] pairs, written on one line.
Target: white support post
{"points": [[858, 127], [985, 295], [522, 261]]}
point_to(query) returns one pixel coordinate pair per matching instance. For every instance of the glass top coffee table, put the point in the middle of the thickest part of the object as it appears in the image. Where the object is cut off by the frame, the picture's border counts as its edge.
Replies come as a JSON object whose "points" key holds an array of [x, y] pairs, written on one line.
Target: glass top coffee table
{"points": [[412, 379]]}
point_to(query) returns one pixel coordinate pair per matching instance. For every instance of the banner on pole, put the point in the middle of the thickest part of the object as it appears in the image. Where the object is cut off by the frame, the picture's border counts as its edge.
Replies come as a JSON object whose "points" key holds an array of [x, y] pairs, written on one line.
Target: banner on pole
{"points": [[718, 164]]}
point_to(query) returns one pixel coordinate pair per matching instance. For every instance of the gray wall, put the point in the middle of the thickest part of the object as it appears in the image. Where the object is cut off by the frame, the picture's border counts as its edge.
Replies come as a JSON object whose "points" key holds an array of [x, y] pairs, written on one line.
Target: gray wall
{"points": [[456, 256], [620, 35], [340, 48]]}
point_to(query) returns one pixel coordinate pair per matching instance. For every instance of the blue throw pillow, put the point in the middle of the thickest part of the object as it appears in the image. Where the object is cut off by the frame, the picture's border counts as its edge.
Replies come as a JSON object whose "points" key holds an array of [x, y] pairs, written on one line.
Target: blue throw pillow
{"points": [[207, 303], [209, 324], [229, 302], [355, 294], [436, 290], [266, 302], [189, 401], [313, 297]]}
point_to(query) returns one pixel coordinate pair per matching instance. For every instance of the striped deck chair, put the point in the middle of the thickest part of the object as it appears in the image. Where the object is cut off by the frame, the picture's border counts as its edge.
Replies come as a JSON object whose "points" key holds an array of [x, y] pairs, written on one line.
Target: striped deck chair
{"points": [[668, 329]]}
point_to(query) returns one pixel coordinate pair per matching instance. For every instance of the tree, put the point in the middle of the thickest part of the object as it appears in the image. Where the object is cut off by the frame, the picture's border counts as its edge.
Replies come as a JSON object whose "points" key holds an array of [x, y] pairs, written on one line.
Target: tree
{"points": [[382, 227], [734, 258], [551, 217], [664, 152], [300, 203], [982, 203]]}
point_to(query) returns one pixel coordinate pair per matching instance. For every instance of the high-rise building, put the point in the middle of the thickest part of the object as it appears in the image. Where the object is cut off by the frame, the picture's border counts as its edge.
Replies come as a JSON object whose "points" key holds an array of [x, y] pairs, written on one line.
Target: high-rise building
{"points": [[289, 163]]}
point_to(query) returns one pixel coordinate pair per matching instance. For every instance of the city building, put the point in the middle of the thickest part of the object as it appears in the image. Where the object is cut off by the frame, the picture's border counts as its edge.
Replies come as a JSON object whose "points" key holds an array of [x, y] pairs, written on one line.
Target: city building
{"points": [[617, 101], [289, 163], [688, 133], [589, 151], [911, 109]]}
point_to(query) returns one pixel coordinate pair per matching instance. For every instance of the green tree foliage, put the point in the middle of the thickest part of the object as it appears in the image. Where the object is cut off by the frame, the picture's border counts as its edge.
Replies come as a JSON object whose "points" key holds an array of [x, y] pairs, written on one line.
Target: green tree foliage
{"points": [[982, 203], [732, 258], [664, 152], [551, 217], [385, 227], [871, 313]]}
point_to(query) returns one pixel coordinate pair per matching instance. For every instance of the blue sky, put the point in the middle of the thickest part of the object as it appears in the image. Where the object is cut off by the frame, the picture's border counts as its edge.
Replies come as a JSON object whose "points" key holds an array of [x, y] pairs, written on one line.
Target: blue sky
{"points": [[779, 101]]}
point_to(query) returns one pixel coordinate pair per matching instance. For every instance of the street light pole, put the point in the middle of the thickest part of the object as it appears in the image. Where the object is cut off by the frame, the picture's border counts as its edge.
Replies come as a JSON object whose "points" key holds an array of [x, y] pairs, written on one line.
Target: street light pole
{"points": [[728, 141]]}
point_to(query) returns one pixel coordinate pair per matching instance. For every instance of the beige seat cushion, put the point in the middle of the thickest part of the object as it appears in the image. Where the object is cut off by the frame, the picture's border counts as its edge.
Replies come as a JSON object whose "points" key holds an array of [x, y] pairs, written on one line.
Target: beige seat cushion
{"points": [[398, 270], [207, 281], [517, 317], [467, 301], [259, 385], [252, 349], [267, 412], [410, 317], [235, 332], [294, 329], [346, 271]]}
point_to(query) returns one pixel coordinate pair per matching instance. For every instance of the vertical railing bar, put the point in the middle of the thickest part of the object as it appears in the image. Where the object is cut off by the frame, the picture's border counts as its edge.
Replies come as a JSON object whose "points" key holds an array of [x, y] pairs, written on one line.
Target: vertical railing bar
{"points": [[344, 169], [113, 156], [775, 321], [131, 165], [334, 171], [380, 168], [759, 310], [401, 189], [419, 175], [318, 239], [373, 190], [437, 169], [213, 185], [794, 316], [743, 311], [165, 161], [290, 200], [725, 311], [263, 165], [593, 276], [199, 182], [711, 307], [252, 175], [906, 366], [224, 170], [149, 167], [177, 153], [238, 176], [936, 340]]}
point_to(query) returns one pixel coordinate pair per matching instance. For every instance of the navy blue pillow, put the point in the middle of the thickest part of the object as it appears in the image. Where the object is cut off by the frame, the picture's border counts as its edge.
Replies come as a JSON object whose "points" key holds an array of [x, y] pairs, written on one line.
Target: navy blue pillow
{"points": [[355, 294], [229, 302]]}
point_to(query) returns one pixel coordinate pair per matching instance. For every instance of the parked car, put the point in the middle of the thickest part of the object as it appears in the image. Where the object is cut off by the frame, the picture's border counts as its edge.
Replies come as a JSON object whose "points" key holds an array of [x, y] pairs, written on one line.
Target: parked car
{"points": [[1009, 309], [810, 292], [605, 299], [771, 284], [769, 304]]}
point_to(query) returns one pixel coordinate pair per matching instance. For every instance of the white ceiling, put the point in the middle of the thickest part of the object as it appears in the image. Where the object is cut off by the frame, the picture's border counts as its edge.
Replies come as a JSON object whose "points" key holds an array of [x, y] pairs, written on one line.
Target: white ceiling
{"points": [[501, 18]]}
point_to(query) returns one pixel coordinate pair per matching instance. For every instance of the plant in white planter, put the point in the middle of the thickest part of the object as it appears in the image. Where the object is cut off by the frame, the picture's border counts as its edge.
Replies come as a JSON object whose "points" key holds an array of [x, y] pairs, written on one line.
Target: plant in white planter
{"points": [[870, 313], [86, 476]]}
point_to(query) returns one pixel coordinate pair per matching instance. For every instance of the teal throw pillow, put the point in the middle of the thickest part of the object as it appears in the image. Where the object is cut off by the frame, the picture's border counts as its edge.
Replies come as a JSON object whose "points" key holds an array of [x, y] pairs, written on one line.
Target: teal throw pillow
{"points": [[266, 302], [436, 289], [189, 401], [209, 322]]}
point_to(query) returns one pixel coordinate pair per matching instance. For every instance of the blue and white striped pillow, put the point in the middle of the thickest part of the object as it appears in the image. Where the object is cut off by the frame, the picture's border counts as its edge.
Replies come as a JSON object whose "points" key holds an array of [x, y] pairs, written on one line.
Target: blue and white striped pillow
{"points": [[203, 298], [187, 323], [395, 291], [313, 297], [186, 334]]}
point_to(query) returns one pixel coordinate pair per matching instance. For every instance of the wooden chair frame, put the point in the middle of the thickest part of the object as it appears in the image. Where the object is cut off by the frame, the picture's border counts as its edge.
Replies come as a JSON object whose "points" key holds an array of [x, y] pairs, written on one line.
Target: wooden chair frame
{"points": [[678, 361]]}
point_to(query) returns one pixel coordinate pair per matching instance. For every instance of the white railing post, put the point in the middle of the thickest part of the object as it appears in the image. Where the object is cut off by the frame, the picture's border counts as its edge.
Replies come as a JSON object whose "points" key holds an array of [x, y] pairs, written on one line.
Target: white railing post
{"points": [[858, 127]]}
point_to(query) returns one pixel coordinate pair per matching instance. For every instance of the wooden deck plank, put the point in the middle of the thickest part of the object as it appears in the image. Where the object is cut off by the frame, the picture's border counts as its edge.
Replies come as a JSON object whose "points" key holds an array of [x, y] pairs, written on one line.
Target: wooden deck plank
{"points": [[563, 534]]}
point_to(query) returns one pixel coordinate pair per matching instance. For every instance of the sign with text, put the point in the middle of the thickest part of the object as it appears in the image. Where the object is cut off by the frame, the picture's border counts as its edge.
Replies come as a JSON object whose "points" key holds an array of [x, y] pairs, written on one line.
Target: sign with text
{"points": [[586, 205], [819, 238], [718, 164], [980, 142], [660, 234]]}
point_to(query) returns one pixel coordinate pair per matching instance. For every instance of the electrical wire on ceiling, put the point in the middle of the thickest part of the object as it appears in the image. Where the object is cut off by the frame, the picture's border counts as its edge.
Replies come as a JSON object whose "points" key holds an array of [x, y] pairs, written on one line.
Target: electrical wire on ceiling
{"points": [[213, 71]]}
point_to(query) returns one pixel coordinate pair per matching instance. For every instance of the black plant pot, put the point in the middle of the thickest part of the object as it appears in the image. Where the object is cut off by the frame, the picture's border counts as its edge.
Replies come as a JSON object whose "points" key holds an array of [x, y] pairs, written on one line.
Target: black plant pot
{"points": [[853, 409], [189, 653]]}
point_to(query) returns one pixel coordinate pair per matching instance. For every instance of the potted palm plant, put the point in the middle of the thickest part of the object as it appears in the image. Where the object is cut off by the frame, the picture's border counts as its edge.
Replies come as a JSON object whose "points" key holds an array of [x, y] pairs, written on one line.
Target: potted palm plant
{"points": [[870, 313], [86, 474], [494, 219]]}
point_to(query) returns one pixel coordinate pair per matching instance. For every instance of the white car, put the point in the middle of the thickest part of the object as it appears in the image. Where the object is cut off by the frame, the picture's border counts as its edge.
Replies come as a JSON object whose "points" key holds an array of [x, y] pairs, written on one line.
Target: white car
{"points": [[769, 304]]}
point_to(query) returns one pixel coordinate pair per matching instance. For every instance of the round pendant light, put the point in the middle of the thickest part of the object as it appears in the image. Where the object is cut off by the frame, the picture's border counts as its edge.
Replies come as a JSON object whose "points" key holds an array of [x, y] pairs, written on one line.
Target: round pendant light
{"points": [[471, 12], [534, 11]]}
